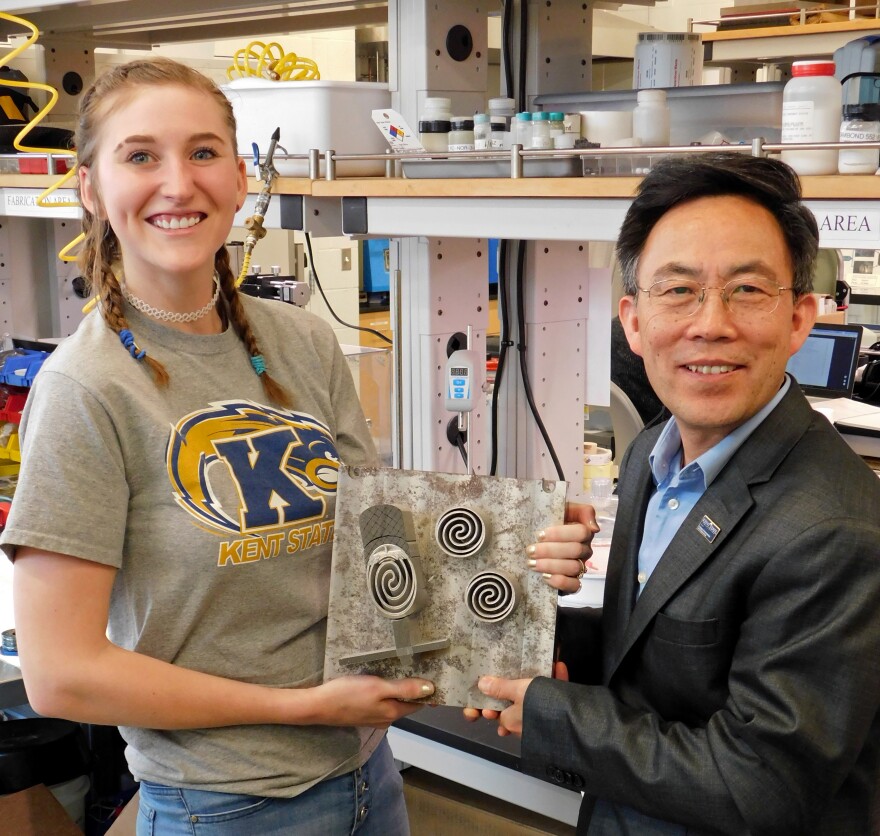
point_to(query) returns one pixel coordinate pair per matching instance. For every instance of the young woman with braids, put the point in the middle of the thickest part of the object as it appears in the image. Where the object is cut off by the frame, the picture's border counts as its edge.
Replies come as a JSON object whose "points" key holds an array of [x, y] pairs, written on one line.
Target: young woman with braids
{"points": [[172, 527]]}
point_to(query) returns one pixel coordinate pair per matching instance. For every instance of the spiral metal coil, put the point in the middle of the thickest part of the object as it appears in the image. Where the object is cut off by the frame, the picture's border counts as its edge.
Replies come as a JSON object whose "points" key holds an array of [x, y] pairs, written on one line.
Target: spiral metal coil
{"points": [[460, 532], [491, 596], [394, 581]]}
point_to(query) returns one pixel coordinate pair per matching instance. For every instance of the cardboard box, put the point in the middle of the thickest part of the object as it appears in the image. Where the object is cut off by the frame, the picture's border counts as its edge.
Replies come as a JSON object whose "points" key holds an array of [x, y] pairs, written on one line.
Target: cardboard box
{"points": [[327, 115], [838, 317], [35, 812]]}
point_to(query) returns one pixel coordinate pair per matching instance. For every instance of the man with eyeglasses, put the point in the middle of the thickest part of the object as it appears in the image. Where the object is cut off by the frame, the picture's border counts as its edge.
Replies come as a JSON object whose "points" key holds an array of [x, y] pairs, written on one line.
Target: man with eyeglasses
{"points": [[732, 684]]}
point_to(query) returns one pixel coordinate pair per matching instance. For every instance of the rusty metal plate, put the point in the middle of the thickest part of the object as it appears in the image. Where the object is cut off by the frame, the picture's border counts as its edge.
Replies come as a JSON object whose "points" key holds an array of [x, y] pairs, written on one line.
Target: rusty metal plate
{"points": [[429, 579]]}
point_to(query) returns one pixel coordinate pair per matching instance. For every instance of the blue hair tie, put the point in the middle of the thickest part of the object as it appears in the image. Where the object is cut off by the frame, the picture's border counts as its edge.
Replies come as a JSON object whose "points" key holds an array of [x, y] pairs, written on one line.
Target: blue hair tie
{"points": [[259, 363], [127, 339]]}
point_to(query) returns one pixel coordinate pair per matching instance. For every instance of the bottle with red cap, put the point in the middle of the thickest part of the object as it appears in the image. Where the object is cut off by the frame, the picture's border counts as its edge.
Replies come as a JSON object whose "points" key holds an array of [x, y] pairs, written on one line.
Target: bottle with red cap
{"points": [[811, 107]]}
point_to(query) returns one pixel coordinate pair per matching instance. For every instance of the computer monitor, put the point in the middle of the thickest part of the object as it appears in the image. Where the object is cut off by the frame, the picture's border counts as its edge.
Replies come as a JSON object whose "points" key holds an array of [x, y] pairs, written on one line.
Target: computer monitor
{"points": [[825, 365]]}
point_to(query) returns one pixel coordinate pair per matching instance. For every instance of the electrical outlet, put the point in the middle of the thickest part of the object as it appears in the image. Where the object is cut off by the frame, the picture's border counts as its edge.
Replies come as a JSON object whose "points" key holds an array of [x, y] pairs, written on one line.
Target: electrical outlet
{"points": [[346, 258]]}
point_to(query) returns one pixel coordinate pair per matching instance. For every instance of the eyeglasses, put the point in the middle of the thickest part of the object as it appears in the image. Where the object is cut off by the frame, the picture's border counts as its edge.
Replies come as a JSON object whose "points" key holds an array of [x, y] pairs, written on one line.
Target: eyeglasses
{"points": [[741, 296]]}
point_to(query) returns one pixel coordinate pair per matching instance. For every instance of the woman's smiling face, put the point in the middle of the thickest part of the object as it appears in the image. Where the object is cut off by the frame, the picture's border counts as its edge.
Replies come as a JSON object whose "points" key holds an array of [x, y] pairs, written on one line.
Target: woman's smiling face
{"points": [[167, 179]]}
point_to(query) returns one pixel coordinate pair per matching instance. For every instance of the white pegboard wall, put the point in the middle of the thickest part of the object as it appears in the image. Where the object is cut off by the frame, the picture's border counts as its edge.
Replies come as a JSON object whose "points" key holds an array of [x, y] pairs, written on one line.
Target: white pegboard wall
{"points": [[5, 277], [67, 310], [421, 35], [560, 40], [69, 67], [557, 307], [445, 288], [26, 306], [457, 297]]}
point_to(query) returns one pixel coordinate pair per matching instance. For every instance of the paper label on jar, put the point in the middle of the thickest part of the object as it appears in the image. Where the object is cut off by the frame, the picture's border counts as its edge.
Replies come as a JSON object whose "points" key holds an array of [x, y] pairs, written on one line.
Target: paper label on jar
{"points": [[481, 145], [797, 121], [461, 147], [848, 135]]}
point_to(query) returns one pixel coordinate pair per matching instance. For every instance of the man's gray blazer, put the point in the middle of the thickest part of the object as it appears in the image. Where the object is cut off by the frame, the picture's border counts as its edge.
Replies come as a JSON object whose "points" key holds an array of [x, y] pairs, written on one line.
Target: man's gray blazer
{"points": [[741, 693]]}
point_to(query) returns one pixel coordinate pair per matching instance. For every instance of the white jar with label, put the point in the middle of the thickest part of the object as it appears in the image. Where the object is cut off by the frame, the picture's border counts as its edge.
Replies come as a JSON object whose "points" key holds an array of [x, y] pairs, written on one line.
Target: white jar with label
{"points": [[650, 118], [860, 123], [482, 132], [521, 130], [502, 108], [811, 107], [461, 137], [541, 139], [499, 135], [597, 465], [434, 124]]}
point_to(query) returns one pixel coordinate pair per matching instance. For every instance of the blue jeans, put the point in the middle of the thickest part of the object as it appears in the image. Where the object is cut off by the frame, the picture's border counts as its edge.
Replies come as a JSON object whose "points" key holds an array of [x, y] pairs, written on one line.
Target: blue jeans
{"points": [[367, 802]]}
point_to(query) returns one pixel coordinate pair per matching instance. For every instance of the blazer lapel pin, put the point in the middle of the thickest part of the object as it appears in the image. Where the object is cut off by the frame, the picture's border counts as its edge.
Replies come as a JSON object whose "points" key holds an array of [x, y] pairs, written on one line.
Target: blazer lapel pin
{"points": [[708, 529]]}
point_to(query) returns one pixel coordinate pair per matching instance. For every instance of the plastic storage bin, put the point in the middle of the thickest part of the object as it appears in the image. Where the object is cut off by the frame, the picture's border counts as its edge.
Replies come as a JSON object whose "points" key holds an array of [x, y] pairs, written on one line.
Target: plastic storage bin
{"points": [[311, 114]]}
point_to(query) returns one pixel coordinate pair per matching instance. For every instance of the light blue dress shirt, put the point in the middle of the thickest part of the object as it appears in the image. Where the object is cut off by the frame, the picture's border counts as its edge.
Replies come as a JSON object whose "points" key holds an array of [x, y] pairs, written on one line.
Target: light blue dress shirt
{"points": [[678, 489]]}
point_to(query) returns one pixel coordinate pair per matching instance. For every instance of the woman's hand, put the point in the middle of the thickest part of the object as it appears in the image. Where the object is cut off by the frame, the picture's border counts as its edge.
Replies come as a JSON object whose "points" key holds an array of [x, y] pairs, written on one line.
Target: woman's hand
{"points": [[562, 553], [367, 700]]}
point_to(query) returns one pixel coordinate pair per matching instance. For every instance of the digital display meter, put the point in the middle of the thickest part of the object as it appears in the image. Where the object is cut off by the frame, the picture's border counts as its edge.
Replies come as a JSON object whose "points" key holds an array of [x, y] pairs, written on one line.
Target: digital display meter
{"points": [[460, 380]]}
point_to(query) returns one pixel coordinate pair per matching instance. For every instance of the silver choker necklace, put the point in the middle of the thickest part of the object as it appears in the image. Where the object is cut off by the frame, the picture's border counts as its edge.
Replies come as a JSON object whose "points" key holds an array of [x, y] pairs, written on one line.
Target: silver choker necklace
{"points": [[171, 316]]}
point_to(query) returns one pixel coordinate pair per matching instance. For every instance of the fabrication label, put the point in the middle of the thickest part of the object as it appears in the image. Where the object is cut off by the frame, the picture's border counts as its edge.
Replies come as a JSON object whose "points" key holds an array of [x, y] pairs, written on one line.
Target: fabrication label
{"points": [[23, 203], [847, 227]]}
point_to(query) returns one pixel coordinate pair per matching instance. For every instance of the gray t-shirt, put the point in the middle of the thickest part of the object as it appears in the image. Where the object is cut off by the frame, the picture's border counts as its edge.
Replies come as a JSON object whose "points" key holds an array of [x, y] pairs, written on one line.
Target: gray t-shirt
{"points": [[218, 510]]}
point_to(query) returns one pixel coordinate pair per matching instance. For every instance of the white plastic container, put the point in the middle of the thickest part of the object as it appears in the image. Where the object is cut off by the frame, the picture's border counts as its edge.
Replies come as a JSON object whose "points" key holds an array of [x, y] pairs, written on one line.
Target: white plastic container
{"points": [[327, 115], [71, 795], [541, 139], [502, 108], [434, 124], [860, 123], [650, 118], [499, 133], [461, 137], [597, 465], [482, 132], [811, 108], [521, 130], [667, 59]]}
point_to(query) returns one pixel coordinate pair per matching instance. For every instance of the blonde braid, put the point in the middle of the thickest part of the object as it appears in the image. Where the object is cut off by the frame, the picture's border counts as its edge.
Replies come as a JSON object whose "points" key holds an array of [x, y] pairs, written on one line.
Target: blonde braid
{"points": [[239, 321], [112, 312]]}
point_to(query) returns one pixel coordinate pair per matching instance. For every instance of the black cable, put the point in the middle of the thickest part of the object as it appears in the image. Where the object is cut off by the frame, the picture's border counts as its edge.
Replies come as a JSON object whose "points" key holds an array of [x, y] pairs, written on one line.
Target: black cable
{"points": [[459, 442], [379, 334], [505, 343], [523, 366], [506, 21]]}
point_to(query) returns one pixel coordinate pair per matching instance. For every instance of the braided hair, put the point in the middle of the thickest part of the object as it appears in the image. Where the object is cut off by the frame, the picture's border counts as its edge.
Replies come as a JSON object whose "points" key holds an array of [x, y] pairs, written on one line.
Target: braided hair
{"points": [[101, 251]]}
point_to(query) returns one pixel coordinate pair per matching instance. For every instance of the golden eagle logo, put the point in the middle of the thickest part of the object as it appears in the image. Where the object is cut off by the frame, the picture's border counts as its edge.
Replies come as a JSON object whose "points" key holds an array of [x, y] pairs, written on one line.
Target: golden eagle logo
{"points": [[243, 468]]}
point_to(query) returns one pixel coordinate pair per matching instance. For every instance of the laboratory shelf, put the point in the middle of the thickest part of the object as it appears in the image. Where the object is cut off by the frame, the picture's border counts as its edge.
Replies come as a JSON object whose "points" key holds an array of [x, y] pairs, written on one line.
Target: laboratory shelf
{"points": [[528, 208], [780, 43]]}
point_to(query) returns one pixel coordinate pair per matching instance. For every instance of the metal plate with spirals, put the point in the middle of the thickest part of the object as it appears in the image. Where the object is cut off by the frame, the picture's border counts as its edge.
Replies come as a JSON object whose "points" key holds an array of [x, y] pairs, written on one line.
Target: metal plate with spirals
{"points": [[429, 579], [460, 532], [491, 596]]}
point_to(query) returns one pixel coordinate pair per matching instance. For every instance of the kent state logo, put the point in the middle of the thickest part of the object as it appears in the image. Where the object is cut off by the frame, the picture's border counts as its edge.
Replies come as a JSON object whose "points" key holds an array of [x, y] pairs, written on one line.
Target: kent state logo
{"points": [[282, 465]]}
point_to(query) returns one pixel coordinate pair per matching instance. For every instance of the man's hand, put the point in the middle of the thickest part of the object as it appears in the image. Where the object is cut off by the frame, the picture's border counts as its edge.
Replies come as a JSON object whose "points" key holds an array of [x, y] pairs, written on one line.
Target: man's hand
{"points": [[513, 690]]}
